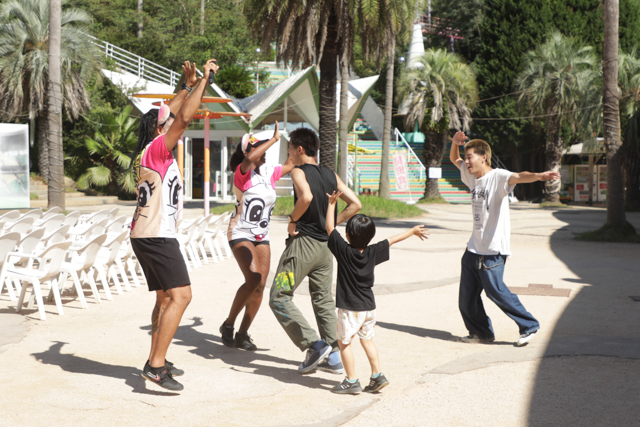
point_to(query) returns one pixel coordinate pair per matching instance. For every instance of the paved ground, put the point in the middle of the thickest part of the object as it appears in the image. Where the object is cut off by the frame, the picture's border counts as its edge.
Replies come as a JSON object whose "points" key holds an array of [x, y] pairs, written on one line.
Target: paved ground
{"points": [[583, 368]]}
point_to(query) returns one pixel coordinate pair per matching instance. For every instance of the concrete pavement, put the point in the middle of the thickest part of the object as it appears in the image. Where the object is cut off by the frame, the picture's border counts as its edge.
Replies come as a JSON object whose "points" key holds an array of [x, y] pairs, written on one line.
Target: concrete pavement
{"points": [[583, 367]]}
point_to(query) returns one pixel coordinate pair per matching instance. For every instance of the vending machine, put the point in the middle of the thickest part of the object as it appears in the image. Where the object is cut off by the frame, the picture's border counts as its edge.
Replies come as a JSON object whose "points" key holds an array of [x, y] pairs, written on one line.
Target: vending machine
{"points": [[581, 183], [601, 186]]}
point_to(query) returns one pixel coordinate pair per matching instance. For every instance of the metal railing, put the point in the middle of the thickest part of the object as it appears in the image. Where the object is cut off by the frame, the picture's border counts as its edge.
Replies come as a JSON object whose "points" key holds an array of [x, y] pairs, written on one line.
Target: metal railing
{"points": [[136, 64], [410, 153]]}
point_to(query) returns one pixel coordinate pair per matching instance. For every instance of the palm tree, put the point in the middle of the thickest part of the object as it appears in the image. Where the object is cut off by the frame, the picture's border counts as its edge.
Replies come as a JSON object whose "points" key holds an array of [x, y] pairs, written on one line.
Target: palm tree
{"points": [[557, 81], [24, 43], [110, 151], [447, 87], [629, 82], [55, 182]]}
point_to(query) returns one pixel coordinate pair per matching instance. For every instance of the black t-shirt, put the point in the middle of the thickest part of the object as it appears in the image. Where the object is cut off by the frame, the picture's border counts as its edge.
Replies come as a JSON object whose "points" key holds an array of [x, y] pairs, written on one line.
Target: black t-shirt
{"points": [[355, 272], [322, 181]]}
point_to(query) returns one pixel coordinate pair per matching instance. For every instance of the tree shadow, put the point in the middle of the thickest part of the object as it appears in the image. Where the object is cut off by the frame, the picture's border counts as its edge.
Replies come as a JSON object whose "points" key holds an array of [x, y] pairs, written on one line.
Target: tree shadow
{"points": [[209, 346], [79, 365]]}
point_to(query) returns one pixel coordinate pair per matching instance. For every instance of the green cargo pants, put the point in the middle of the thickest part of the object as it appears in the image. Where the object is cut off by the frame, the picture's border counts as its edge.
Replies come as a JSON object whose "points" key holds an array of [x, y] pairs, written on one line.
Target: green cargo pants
{"points": [[305, 257]]}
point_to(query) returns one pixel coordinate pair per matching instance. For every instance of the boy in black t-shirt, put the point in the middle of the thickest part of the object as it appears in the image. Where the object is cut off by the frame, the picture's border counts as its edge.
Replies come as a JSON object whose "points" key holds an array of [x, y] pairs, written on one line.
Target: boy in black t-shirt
{"points": [[354, 295]]}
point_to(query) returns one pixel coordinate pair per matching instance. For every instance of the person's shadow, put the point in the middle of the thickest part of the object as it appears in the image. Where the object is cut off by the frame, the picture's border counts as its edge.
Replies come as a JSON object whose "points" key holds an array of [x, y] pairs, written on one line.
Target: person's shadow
{"points": [[209, 346], [79, 365], [428, 333]]}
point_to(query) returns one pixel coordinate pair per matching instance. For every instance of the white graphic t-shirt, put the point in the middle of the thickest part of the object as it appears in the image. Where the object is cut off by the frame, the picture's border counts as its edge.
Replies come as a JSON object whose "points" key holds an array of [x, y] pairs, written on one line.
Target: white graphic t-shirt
{"points": [[158, 186], [254, 207], [490, 205]]}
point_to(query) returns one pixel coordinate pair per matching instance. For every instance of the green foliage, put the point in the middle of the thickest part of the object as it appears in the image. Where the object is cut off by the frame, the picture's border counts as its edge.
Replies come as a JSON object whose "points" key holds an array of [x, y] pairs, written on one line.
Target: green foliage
{"points": [[238, 81], [464, 15], [372, 206], [220, 209], [432, 200], [33, 196], [110, 151]]}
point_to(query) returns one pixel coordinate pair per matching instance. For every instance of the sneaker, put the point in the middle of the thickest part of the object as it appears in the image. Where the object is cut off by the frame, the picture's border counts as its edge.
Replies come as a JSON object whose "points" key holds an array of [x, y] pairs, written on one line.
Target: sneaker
{"points": [[376, 384], [244, 342], [346, 387], [175, 372], [162, 377], [227, 335], [525, 338], [476, 339], [336, 368], [313, 358]]}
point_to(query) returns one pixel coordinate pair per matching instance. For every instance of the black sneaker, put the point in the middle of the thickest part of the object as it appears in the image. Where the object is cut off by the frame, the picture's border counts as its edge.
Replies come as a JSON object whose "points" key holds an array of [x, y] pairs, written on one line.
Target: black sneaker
{"points": [[346, 387], [175, 372], [376, 384], [227, 335], [336, 368], [162, 377], [313, 358], [244, 342], [475, 339]]}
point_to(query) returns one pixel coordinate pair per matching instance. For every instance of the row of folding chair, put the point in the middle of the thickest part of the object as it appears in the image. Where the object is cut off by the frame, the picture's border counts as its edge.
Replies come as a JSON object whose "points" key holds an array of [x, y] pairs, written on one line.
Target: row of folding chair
{"points": [[198, 235]]}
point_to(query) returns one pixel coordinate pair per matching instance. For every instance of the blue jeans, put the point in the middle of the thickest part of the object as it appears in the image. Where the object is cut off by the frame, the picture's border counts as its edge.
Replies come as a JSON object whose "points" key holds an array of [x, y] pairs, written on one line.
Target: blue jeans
{"points": [[485, 272]]}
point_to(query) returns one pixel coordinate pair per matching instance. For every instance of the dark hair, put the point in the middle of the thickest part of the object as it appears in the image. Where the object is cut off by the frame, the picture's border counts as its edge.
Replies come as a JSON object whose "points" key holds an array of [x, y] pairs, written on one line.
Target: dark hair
{"points": [[307, 139], [361, 230], [238, 156], [146, 131]]}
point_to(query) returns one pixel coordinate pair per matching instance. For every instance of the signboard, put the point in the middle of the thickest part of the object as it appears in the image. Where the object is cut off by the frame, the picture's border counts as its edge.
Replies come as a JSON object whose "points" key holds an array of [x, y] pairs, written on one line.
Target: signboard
{"points": [[400, 169], [435, 173], [14, 166], [581, 183], [602, 183]]}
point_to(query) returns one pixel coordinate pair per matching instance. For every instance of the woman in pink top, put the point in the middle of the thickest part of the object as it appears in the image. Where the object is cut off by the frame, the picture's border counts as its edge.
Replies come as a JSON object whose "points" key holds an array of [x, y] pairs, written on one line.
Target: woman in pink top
{"points": [[153, 229], [255, 187]]}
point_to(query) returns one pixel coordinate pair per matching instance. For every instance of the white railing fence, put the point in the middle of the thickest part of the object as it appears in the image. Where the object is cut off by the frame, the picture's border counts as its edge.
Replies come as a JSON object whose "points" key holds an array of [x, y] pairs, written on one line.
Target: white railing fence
{"points": [[411, 155]]}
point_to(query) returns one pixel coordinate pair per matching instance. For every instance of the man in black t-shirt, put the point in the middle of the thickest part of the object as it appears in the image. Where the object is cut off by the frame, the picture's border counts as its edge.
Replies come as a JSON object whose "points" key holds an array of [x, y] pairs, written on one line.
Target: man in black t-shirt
{"points": [[307, 255], [354, 294]]}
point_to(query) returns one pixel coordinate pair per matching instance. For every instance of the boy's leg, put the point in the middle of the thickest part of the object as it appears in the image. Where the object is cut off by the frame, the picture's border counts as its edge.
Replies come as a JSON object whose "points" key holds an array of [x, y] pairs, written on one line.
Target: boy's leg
{"points": [[365, 334], [324, 307], [491, 274], [294, 266], [347, 360], [469, 302]]}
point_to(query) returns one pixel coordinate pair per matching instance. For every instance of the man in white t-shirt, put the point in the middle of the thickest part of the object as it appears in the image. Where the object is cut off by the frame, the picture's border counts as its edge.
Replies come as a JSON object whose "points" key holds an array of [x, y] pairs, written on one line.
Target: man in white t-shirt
{"points": [[489, 246]]}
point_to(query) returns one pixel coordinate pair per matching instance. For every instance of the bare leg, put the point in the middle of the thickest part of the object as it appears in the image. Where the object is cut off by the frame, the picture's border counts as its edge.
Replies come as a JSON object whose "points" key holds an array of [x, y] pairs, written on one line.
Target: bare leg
{"points": [[162, 300], [179, 299], [254, 261], [372, 354], [347, 360]]}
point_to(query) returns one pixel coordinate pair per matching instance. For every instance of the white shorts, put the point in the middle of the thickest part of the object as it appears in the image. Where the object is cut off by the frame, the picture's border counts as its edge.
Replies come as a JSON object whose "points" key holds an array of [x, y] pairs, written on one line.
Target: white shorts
{"points": [[351, 323]]}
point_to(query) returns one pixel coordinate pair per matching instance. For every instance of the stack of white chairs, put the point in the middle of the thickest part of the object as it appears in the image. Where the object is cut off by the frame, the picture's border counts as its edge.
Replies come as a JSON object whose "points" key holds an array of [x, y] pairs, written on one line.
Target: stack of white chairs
{"points": [[186, 241], [80, 268]]}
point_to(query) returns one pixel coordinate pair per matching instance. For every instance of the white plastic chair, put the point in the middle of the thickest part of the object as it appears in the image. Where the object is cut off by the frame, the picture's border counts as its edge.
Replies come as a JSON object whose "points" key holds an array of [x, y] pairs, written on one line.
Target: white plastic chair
{"points": [[52, 223], [79, 268], [48, 214], [56, 236], [9, 218], [34, 213], [94, 217], [126, 258], [27, 245], [214, 232], [197, 241], [185, 245], [48, 270], [22, 226], [105, 264], [116, 225], [8, 243], [71, 219], [112, 213], [82, 234]]}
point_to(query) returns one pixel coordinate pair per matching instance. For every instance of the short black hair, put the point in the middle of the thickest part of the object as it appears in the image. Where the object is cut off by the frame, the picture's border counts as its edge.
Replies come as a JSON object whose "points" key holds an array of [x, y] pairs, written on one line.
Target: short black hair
{"points": [[307, 139], [361, 230]]}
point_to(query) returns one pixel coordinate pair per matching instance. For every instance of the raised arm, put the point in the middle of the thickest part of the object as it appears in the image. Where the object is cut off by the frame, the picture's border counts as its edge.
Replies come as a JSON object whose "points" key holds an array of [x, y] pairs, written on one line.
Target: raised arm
{"points": [[305, 197], [350, 198], [288, 166], [418, 230], [527, 177], [190, 106], [191, 80], [454, 155], [330, 222], [258, 151]]}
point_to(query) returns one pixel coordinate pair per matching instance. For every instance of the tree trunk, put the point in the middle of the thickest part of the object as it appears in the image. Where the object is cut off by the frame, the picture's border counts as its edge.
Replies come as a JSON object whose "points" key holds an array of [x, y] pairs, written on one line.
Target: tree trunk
{"points": [[140, 19], [434, 147], [43, 144], [385, 186], [553, 156], [56, 159], [611, 114], [202, 17], [344, 131], [327, 94]]}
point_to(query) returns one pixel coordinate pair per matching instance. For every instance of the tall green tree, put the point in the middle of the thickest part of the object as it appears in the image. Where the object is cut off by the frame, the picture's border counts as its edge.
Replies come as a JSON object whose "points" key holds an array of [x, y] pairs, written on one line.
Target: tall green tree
{"points": [[629, 82], [24, 64], [441, 94], [557, 78], [110, 149]]}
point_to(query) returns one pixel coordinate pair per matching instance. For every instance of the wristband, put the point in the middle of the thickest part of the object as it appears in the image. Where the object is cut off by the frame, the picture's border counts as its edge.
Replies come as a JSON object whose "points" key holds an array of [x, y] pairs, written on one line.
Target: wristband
{"points": [[185, 87], [291, 221]]}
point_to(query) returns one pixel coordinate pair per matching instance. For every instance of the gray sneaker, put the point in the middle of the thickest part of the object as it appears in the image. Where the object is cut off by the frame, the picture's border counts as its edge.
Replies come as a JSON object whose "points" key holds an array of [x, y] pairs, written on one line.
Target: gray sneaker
{"points": [[313, 358], [376, 384], [475, 339], [525, 338], [336, 368], [346, 387]]}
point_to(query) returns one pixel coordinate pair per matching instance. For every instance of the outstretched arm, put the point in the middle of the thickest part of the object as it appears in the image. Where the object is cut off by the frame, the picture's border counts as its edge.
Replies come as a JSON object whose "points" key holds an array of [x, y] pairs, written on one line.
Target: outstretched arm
{"points": [[454, 155], [190, 107], [191, 80], [257, 152], [350, 198], [330, 222], [418, 230], [527, 177]]}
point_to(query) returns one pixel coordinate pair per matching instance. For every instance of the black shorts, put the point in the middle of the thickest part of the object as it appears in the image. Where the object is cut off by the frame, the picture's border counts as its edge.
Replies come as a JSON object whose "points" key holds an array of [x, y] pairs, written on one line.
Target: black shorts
{"points": [[162, 262], [234, 242]]}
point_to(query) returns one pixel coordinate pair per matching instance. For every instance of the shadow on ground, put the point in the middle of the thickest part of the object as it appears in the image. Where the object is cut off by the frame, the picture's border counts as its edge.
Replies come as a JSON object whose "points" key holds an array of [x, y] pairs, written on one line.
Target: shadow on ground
{"points": [[590, 373]]}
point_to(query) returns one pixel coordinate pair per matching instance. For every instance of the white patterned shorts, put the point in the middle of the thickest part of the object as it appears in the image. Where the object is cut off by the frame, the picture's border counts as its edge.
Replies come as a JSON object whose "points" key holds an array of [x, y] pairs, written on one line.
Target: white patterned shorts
{"points": [[351, 323]]}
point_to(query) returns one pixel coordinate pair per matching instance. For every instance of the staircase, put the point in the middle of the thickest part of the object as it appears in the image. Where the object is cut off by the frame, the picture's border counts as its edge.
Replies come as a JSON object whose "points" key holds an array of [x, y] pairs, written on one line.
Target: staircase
{"points": [[71, 198]]}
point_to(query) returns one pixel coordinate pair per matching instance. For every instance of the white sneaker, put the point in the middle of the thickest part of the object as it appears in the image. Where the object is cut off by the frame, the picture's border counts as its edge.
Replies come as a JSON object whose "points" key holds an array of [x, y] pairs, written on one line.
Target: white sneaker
{"points": [[525, 338]]}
